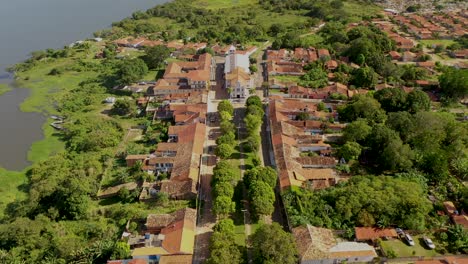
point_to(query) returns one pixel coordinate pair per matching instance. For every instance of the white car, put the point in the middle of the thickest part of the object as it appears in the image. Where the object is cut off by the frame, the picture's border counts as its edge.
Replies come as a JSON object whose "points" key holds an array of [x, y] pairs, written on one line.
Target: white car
{"points": [[409, 239], [429, 243]]}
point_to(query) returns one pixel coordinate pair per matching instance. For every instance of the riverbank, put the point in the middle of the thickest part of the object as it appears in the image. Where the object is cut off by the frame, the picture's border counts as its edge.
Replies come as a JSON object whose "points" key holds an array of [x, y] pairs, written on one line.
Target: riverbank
{"points": [[4, 88]]}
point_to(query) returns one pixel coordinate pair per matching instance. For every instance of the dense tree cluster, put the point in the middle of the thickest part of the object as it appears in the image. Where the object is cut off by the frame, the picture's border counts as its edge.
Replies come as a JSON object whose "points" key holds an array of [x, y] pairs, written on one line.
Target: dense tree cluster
{"points": [[253, 121], [454, 84], [395, 100], [362, 201], [227, 141], [261, 181], [224, 178], [401, 140]]}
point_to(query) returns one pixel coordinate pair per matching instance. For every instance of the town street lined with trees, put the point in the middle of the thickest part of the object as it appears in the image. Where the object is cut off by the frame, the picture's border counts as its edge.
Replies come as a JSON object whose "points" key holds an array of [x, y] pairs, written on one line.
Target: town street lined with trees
{"points": [[382, 154]]}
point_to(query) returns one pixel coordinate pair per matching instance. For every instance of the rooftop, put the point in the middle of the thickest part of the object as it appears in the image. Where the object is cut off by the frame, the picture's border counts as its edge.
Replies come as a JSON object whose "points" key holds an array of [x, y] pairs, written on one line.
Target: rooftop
{"points": [[372, 233], [315, 243]]}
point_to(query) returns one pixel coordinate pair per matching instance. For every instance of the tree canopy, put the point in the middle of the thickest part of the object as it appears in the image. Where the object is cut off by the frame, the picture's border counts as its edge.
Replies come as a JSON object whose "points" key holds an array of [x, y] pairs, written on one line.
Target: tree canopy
{"points": [[271, 244], [362, 201]]}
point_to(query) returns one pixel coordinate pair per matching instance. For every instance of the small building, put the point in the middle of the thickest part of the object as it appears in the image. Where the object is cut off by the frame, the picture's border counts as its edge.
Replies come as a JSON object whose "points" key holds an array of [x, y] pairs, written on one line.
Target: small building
{"points": [[165, 238], [373, 233], [450, 208], [395, 55]]}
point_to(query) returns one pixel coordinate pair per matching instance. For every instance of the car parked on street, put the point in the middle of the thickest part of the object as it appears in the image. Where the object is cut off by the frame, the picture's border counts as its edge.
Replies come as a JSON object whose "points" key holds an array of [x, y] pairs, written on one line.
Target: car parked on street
{"points": [[429, 242]]}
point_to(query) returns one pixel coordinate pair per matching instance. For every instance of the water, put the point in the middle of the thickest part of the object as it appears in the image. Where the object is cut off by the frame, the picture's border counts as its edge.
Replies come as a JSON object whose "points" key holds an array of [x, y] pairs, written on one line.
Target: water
{"points": [[18, 130], [29, 25]]}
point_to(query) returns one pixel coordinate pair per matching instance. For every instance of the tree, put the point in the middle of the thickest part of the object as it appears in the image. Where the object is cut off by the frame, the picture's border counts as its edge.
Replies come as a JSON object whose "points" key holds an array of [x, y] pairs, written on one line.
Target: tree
{"points": [[155, 56], [228, 138], [271, 244], [225, 226], [358, 201], [457, 238], [252, 123], [253, 68], [357, 130], [223, 171], [122, 107], [387, 149], [391, 99], [396, 156], [321, 106], [262, 198], [223, 206], [350, 151], [362, 106], [227, 126], [225, 116], [254, 142], [121, 250], [264, 174], [254, 100], [225, 105], [454, 83], [224, 151], [418, 100], [315, 78], [223, 188], [410, 73], [131, 70], [302, 116], [402, 122], [223, 248], [364, 77], [255, 110]]}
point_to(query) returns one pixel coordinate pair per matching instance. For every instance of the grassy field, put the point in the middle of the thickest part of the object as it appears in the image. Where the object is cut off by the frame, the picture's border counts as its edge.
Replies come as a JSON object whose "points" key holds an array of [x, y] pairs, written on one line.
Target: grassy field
{"points": [[10, 187], [287, 78], [46, 147], [357, 10], [218, 4], [430, 42], [44, 88], [404, 250], [312, 39], [4, 88]]}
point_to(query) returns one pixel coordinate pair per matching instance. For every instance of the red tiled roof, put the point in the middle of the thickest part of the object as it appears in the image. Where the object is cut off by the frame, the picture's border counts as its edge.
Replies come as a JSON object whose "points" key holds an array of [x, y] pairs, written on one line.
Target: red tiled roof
{"points": [[372, 233]]}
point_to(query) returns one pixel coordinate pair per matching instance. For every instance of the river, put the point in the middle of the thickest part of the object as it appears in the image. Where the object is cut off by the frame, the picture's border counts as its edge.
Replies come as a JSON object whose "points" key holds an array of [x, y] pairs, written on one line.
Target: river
{"points": [[29, 25]]}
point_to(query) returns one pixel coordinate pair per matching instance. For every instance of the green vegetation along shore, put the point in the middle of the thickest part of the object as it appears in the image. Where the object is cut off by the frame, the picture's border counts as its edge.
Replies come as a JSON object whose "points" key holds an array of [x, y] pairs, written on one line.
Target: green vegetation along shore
{"points": [[4, 88]]}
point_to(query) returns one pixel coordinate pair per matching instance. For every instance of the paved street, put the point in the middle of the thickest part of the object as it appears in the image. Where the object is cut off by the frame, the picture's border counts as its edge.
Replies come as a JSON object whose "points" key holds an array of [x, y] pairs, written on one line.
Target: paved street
{"points": [[206, 220]]}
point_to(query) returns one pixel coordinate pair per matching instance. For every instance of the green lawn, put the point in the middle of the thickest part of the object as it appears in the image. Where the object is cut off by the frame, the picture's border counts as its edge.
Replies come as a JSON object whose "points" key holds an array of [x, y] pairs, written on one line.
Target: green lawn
{"points": [[445, 42], [404, 250], [356, 11], [312, 39], [42, 149], [4, 88], [44, 88], [287, 78], [240, 235], [11, 181], [218, 4]]}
